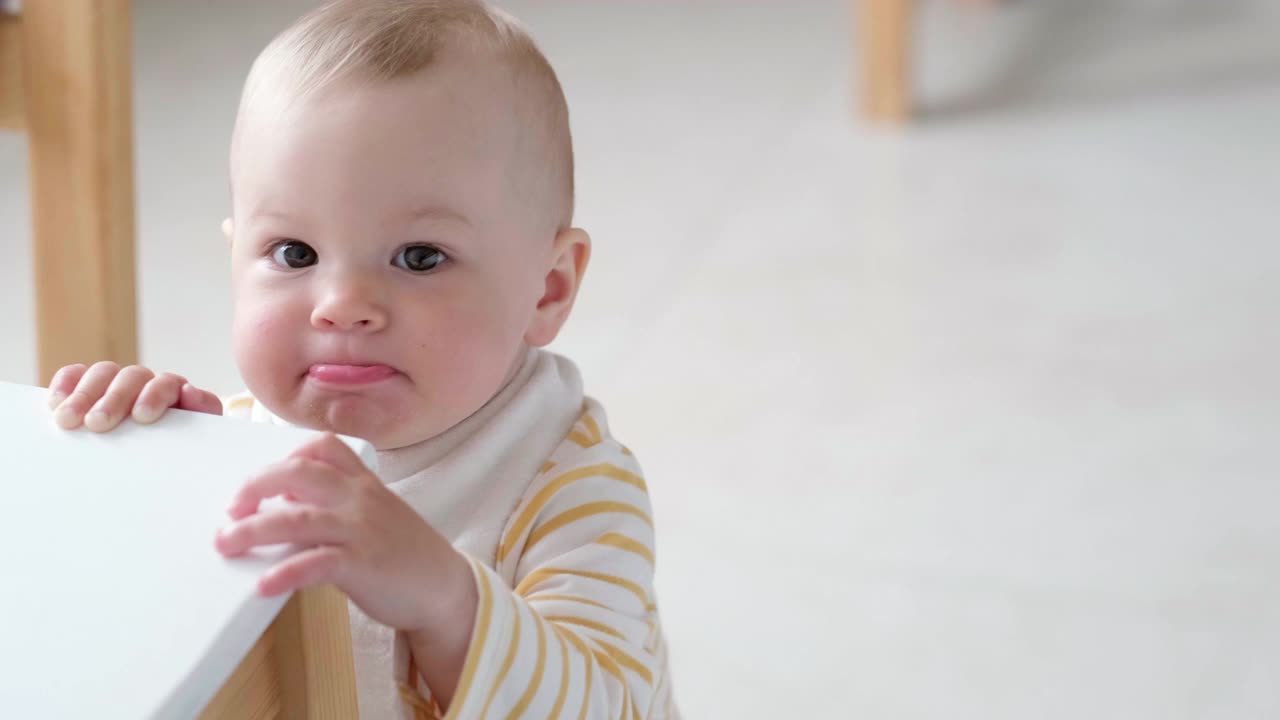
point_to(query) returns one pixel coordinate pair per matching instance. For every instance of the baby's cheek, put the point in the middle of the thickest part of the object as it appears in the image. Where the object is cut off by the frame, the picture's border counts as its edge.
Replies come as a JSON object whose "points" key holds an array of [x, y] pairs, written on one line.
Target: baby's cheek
{"points": [[263, 337], [471, 354]]}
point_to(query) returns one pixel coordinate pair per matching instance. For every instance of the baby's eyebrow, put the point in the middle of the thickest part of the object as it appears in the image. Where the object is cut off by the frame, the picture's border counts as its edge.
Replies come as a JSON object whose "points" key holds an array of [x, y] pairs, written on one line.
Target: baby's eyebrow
{"points": [[438, 212], [270, 214]]}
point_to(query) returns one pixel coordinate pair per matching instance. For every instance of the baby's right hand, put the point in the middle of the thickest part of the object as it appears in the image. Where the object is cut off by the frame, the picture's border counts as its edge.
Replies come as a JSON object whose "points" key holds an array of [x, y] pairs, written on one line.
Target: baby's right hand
{"points": [[103, 395]]}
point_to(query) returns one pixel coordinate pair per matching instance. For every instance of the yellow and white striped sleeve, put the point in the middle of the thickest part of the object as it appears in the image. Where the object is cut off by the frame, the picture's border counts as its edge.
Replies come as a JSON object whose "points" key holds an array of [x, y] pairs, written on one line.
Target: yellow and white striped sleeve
{"points": [[578, 636], [239, 406]]}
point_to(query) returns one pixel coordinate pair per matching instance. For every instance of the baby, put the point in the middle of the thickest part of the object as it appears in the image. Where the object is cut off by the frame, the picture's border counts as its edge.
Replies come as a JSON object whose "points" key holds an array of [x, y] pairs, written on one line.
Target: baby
{"points": [[401, 248]]}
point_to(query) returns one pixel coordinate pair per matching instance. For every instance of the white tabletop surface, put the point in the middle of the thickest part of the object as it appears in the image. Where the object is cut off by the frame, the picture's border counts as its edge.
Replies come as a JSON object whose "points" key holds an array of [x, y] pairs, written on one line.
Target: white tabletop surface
{"points": [[114, 601]]}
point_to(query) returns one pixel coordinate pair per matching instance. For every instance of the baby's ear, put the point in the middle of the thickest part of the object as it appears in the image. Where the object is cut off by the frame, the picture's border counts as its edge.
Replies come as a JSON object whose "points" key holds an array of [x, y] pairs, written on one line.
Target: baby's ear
{"points": [[226, 229], [569, 258]]}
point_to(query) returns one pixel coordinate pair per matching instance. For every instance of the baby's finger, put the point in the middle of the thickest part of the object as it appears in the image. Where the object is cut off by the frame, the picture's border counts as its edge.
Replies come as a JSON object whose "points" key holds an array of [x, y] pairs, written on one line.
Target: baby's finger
{"points": [[303, 479], [117, 402], [64, 383], [196, 400], [329, 449], [297, 524], [317, 566], [161, 393], [93, 384]]}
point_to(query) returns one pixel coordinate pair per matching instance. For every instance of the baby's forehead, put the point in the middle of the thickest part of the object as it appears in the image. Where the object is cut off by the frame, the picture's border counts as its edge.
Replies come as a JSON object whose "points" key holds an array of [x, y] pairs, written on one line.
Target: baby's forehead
{"points": [[445, 120], [459, 118], [478, 90], [344, 45]]}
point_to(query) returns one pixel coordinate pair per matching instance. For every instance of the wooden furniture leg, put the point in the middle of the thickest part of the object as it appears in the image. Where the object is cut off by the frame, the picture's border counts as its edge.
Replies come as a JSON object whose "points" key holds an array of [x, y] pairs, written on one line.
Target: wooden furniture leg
{"points": [[300, 668], [11, 105], [78, 114], [884, 40]]}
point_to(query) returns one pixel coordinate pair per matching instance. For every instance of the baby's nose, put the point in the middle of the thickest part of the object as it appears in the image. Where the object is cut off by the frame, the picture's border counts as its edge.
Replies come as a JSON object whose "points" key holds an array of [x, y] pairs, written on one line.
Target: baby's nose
{"points": [[348, 311]]}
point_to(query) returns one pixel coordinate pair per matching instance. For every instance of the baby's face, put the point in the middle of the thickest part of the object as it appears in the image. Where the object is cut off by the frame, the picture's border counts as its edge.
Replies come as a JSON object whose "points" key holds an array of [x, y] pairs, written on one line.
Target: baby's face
{"points": [[384, 276]]}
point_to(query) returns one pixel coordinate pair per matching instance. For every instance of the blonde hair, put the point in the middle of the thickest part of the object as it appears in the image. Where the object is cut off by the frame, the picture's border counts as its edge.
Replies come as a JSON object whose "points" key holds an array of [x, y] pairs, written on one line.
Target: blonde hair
{"points": [[383, 40]]}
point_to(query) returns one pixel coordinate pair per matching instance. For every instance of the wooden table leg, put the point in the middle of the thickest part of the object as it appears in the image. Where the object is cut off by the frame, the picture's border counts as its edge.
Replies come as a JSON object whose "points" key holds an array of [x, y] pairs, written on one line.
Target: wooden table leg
{"points": [[78, 106], [884, 46]]}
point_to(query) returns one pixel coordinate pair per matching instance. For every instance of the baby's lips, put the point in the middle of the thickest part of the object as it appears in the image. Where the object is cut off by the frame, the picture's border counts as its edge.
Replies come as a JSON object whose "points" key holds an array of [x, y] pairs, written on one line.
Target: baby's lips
{"points": [[341, 374]]}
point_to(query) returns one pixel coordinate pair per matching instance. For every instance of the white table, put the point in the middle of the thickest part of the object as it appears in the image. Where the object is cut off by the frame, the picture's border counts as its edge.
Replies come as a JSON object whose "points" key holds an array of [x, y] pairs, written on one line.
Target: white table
{"points": [[115, 603]]}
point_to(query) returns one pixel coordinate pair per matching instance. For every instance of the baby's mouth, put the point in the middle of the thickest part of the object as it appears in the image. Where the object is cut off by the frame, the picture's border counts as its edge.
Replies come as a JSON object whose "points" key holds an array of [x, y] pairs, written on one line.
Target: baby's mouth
{"points": [[340, 374]]}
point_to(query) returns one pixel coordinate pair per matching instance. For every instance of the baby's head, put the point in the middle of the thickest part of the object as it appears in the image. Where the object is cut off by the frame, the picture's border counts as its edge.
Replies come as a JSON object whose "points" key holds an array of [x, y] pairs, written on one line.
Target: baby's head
{"points": [[402, 185]]}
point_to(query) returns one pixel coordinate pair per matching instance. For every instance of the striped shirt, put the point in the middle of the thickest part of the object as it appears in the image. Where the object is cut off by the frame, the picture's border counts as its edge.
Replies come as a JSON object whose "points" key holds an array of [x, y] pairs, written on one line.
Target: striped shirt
{"points": [[554, 516]]}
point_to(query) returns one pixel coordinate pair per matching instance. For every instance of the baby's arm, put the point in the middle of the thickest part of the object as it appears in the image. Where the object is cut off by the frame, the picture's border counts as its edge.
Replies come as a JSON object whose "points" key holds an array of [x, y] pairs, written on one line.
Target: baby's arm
{"points": [[103, 395], [578, 635]]}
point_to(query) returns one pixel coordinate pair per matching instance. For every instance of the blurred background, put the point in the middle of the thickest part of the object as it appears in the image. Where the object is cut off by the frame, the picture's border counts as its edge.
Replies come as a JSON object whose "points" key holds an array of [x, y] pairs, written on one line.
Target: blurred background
{"points": [[971, 414]]}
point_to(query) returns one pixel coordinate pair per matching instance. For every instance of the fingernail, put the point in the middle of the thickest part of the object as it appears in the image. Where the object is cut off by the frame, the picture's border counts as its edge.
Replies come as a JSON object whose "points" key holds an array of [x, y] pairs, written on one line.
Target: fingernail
{"points": [[144, 413], [95, 416], [64, 416], [55, 399]]}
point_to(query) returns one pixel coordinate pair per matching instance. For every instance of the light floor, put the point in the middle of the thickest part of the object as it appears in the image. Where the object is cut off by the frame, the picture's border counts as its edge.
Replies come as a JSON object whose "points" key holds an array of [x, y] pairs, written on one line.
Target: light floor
{"points": [[977, 420]]}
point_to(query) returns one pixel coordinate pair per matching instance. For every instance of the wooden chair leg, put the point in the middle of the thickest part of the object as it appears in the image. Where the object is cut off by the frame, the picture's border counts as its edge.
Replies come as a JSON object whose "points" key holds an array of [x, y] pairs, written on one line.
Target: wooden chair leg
{"points": [[884, 46], [10, 73], [78, 106], [300, 669]]}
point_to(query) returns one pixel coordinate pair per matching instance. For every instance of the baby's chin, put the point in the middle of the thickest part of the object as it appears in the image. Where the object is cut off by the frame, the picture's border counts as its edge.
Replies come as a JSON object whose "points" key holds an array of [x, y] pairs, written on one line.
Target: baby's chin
{"points": [[384, 421], [357, 416], [389, 414]]}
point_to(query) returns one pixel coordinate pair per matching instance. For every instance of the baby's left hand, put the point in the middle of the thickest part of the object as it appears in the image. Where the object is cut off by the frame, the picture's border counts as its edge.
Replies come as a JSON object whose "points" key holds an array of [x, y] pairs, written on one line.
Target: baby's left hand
{"points": [[362, 538]]}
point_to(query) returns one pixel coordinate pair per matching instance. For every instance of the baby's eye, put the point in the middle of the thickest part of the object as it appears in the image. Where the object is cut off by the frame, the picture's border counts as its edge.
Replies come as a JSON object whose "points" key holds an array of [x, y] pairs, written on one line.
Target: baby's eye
{"points": [[418, 258], [293, 254]]}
